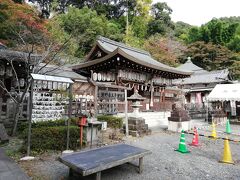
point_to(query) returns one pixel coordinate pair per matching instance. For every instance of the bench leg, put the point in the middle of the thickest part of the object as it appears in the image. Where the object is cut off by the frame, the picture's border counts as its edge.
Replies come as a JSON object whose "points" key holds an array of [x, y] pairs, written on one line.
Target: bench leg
{"points": [[140, 165], [70, 172], [98, 175]]}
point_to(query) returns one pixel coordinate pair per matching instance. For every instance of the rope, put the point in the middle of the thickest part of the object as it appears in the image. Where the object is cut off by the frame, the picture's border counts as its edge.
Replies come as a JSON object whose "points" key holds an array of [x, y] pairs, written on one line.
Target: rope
{"points": [[202, 135]]}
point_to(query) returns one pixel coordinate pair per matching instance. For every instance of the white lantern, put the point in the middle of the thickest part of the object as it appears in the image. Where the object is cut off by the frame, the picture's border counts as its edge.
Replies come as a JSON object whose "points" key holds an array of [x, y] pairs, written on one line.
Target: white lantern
{"points": [[21, 82], [2, 69], [9, 72]]}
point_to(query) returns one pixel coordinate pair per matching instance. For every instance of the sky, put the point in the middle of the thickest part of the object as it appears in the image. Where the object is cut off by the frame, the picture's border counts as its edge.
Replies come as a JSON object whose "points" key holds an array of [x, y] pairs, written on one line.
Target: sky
{"points": [[197, 12]]}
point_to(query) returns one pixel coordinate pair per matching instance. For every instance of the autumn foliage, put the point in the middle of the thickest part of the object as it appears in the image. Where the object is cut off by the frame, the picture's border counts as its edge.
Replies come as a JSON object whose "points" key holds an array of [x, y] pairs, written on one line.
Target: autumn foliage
{"points": [[15, 17], [165, 50]]}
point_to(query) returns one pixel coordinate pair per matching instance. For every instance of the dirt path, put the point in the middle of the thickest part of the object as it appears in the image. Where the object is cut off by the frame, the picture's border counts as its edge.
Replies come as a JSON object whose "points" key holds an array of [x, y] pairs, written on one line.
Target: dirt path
{"points": [[163, 163]]}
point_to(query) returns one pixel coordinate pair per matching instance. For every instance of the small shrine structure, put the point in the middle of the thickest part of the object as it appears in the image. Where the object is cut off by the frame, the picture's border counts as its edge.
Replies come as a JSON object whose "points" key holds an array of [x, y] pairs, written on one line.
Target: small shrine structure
{"points": [[198, 86], [114, 67]]}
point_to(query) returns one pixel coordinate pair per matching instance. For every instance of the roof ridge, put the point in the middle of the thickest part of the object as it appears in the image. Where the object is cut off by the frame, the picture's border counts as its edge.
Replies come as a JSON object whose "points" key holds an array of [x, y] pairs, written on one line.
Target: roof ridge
{"points": [[122, 45], [218, 71]]}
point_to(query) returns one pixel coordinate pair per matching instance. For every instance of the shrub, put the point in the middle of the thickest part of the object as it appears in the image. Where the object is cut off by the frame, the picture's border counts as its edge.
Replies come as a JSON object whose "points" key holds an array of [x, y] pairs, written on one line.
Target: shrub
{"points": [[52, 138], [50, 123], [112, 121]]}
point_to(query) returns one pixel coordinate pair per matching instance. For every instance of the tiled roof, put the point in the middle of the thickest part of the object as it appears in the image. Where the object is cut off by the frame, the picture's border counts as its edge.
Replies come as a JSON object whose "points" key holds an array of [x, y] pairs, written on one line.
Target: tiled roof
{"points": [[137, 55], [189, 66], [202, 76], [206, 77], [141, 55], [17, 55], [63, 71]]}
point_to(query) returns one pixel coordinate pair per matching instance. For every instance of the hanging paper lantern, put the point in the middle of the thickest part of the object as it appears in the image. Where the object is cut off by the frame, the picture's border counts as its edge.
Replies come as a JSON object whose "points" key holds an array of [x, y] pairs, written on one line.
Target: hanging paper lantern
{"points": [[2, 69], [21, 82], [9, 72]]}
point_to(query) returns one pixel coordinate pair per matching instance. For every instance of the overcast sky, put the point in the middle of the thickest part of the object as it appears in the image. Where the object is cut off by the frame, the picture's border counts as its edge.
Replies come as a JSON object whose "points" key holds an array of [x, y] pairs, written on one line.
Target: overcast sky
{"points": [[197, 12]]}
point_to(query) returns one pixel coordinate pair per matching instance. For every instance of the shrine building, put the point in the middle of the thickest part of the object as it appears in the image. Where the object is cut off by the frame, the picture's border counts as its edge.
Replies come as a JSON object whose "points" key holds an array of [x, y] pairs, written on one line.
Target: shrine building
{"points": [[114, 67]]}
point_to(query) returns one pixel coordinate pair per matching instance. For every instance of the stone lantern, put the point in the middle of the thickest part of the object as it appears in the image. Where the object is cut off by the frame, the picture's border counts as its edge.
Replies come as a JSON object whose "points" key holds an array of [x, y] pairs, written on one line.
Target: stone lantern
{"points": [[136, 99], [136, 124]]}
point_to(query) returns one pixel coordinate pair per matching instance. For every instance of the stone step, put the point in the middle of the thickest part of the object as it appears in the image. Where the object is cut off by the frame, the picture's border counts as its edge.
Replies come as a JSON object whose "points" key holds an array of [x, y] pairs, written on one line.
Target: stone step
{"points": [[138, 127], [3, 134], [140, 133], [136, 121]]}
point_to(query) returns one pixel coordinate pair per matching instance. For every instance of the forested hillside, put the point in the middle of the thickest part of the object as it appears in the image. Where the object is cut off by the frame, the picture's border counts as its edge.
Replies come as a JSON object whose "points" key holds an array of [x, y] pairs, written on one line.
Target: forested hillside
{"points": [[214, 45]]}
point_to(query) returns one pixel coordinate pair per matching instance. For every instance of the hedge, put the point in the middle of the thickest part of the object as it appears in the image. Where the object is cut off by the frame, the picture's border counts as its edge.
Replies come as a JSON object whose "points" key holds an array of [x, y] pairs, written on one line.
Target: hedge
{"points": [[112, 121], [52, 135], [50, 123], [52, 138]]}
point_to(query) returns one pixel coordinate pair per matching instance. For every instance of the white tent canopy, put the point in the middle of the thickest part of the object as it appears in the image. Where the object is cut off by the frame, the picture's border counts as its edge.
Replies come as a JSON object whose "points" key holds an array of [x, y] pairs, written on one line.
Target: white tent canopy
{"points": [[225, 92]]}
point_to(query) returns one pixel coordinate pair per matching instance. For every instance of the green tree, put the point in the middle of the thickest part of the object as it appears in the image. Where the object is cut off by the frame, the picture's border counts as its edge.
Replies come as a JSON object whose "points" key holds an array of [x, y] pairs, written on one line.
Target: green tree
{"points": [[59, 35], [162, 12], [142, 8], [204, 34], [139, 27], [132, 40], [215, 27], [209, 56], [193, 35], [161, 21], [112, 9], [235, 68], [181, 30], [216, 31], [84, 25], [234, 43]]}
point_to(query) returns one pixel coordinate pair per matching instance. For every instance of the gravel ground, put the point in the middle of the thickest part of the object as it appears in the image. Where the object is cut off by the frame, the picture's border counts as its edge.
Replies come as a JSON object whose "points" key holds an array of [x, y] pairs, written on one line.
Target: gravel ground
{"points": [[163, 163]]}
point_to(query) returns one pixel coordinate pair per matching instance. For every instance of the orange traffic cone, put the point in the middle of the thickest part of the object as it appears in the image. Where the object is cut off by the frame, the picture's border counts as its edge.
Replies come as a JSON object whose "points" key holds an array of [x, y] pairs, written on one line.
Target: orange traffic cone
{"points": [[227, 155], [195, 138]]}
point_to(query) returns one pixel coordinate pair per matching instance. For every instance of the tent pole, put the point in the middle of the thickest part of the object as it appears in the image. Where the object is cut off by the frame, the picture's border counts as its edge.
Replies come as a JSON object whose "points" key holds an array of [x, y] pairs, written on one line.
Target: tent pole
{"points": [[207, 111]]}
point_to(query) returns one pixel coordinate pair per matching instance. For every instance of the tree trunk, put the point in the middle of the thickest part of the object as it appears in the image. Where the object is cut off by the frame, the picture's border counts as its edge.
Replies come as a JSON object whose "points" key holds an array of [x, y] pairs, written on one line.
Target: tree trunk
{"points": [[16, 118], [19, 106]]}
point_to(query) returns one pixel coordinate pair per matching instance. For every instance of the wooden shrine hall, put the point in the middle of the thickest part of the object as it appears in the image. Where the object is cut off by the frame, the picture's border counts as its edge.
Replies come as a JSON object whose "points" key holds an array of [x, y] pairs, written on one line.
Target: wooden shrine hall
{"points": [[114, 67]]}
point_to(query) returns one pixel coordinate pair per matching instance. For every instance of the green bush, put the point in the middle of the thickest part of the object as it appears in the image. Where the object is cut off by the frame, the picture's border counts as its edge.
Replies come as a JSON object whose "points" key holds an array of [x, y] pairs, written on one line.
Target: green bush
{"points": [[50, 123], [52, 138], [112, 121]]}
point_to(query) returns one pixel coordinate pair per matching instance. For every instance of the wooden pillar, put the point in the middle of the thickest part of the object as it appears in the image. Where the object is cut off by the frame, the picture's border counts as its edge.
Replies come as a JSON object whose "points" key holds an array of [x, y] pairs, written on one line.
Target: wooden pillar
{"points": [[140, 165], [126, 112], [70, 172], [151, 94], [207, 111], [98, 175], [96, 100], [30, 119], [69, 114], [1, 104], [28, 106], [164, 101]]}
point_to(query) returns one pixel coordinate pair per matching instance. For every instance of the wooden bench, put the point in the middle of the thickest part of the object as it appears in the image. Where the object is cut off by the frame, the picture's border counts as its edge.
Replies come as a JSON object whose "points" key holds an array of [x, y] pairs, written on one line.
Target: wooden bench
{"points": [[97, 160]]}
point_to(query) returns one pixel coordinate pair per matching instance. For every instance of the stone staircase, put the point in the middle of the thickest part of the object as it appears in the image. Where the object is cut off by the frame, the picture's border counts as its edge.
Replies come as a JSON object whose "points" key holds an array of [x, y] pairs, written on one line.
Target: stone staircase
{"points": [[154, 120]]}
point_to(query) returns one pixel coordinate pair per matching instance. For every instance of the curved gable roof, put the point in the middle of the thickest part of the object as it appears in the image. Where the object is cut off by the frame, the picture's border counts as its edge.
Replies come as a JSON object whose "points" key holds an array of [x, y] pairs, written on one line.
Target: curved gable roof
{"points": [[136, 55], [189, 66], [217, 76]]}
